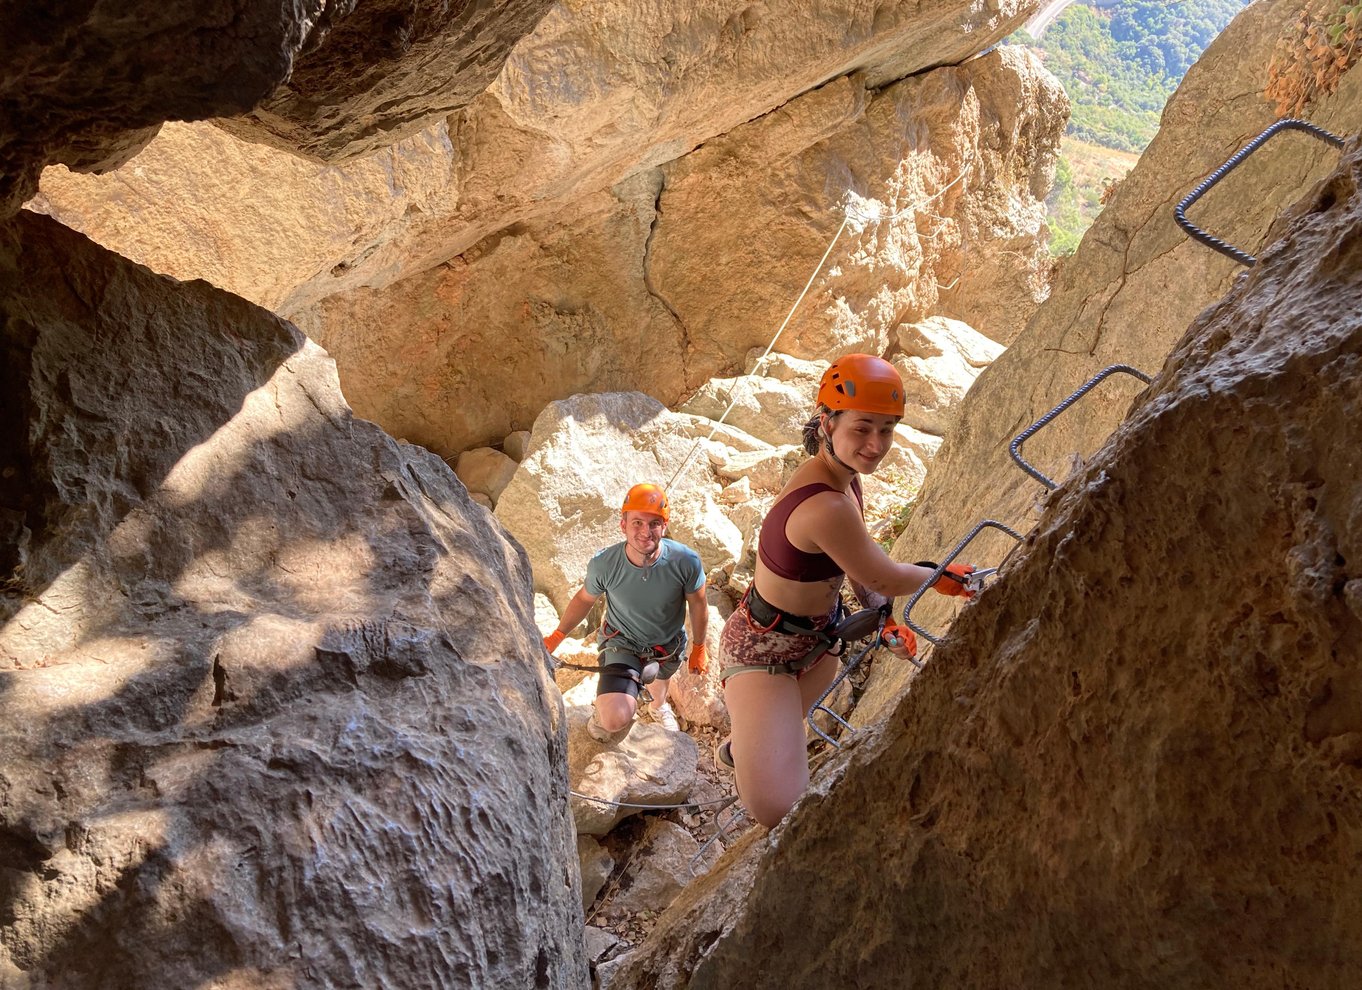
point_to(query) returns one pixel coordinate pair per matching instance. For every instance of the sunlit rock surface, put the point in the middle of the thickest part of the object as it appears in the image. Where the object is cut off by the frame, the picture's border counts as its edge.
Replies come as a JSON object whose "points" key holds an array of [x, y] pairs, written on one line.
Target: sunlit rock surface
{"points": [[670, 277], [1137, 759], [88, 85], [1125, 297], [273, 709], [596, 93], [562, 233]]}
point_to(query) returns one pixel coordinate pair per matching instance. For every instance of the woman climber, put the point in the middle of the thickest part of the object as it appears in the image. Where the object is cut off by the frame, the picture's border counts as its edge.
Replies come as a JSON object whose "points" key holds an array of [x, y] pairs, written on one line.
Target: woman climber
{"points": [[813, 537]]}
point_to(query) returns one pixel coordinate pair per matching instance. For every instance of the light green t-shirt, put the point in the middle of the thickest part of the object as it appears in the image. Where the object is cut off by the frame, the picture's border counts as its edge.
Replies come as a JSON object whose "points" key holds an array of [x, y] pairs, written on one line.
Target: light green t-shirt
{"points": [[646, 604]]}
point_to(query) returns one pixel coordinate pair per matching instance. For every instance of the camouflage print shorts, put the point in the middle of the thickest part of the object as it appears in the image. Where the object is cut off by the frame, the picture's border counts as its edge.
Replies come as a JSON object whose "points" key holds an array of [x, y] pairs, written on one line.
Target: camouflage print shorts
{"points": [[745, 647]]}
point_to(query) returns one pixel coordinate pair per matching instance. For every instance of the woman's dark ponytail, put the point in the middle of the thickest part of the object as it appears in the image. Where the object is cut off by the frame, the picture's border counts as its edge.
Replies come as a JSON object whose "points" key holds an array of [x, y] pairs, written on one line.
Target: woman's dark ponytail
{"points": [[813, 431]]}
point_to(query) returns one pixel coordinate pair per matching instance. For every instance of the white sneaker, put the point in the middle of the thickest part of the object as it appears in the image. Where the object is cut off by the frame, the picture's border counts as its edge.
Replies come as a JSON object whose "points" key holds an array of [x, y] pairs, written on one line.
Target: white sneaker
{"points": [[596, 731], [665, 717]]}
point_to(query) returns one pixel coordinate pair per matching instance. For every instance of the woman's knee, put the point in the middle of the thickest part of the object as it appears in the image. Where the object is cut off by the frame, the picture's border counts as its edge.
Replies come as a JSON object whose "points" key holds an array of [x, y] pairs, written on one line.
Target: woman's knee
{"points": [[769, 804], [769, 813]]}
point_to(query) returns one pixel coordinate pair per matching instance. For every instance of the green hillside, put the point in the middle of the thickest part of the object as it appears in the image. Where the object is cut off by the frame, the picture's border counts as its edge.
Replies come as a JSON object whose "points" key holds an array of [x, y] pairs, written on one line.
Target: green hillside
{"points": [[1119, 63]]}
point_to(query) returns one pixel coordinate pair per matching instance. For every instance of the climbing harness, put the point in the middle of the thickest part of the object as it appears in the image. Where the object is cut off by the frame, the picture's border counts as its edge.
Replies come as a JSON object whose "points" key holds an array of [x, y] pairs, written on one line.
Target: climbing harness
{"points": [[646, 676], [1195, 232], [846, 627], [650, 669], [863, 629]]}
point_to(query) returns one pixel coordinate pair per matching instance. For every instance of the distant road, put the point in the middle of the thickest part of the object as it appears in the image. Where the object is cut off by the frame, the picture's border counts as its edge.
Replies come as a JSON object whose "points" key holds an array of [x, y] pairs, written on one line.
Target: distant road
{"points": [[1036, 26]]}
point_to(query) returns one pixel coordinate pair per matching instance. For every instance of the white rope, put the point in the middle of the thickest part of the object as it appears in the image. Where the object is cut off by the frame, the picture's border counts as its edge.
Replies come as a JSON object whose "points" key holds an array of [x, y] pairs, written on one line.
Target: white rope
{"points": [[761, 360], [916, 206], [846, 218]]}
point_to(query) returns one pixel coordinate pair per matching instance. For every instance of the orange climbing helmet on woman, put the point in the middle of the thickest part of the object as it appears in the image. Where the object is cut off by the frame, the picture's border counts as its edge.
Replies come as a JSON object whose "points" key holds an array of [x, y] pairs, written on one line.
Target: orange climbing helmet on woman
{"points": [[862, 382]]}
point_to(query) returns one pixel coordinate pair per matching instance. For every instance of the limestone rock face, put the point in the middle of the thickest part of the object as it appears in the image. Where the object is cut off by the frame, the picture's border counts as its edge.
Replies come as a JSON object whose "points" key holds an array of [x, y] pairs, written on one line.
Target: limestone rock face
{"points": [[1135, 760], [900, 164], [1127, 294], [382, 69], [262, 223], [596, 93], [273, 708], [89, 88], [669, 278]]}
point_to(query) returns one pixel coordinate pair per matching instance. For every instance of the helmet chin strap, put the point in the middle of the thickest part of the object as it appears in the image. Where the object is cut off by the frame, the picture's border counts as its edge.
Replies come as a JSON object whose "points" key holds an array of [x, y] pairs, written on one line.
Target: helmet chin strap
{"points": [[827, 444]]}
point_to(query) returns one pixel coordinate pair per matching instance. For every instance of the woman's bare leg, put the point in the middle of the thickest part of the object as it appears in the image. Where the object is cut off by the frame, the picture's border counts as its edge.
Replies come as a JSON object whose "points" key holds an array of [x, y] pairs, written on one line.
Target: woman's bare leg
{"points": [[816, 681], [770, 761]]}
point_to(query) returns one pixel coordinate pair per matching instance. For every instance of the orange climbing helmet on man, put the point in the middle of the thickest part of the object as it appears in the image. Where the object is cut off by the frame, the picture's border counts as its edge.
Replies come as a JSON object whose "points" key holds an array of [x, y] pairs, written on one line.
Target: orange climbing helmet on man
{"points": [[864, 383], [647, 498]]}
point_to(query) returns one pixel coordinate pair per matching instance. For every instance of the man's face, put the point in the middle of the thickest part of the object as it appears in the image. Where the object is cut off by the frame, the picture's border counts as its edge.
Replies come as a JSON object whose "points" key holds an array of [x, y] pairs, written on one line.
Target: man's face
{"points": [[643, 531]]}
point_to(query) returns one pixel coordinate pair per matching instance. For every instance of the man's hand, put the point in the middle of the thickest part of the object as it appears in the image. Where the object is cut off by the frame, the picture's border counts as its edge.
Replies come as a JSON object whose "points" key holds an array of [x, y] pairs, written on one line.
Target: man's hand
{"points": [[553, 640], [699, 659], [900, 641]]}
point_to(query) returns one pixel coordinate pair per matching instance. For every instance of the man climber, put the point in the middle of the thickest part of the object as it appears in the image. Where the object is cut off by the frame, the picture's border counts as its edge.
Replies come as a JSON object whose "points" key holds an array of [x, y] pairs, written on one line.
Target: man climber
{"points": [[650, 582]]}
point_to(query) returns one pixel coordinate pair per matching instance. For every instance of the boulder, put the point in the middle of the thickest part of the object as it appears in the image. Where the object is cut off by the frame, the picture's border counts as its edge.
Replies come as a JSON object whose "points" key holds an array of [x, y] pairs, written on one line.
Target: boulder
{"points": [[517, 445], [596, 865], [665, 861], [485, 470], [255, 657], [766, 408], [650, 768], [940, 360]]}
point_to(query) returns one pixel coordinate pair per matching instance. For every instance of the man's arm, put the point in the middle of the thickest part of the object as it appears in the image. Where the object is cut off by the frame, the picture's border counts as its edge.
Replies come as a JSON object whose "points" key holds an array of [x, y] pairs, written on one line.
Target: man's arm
{"points": [[573, 615], [699, 615]]}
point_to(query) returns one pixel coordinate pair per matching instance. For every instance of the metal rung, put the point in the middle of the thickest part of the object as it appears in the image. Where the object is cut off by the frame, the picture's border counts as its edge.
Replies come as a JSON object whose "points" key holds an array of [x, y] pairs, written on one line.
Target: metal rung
{"points": [[1195, 232], [941, 569], [845, 672], [1015, 447]]}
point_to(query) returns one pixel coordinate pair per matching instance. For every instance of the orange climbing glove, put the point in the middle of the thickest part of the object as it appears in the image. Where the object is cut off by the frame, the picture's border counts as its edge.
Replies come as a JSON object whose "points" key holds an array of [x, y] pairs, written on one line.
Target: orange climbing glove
{"points": [[699, 659], [553, 640], [893, 636], [952, 580]]}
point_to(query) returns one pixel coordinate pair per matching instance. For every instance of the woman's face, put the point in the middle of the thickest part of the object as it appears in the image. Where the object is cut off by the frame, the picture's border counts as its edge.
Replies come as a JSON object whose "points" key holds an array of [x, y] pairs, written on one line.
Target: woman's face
{"points": [[860, 439]]}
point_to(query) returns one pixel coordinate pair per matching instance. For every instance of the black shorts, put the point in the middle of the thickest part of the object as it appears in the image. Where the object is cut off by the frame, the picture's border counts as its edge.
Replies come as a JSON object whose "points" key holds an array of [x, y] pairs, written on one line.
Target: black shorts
{"points": [[623, 656]]}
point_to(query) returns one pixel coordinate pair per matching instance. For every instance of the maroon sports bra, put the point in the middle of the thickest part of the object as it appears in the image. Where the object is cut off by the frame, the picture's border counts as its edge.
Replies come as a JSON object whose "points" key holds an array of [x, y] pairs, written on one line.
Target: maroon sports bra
{"points": [[784, 558]]}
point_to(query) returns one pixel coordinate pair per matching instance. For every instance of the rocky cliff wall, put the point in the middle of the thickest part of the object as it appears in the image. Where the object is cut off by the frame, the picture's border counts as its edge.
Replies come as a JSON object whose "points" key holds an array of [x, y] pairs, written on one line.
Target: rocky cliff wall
{"points": [[1137, 760], [671, 276], [89, 85], [569, 205], [275, 710], [1125, 297]]}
